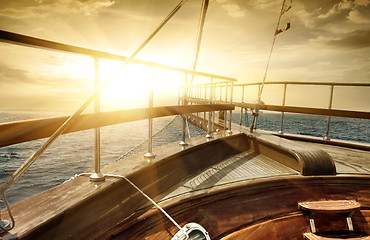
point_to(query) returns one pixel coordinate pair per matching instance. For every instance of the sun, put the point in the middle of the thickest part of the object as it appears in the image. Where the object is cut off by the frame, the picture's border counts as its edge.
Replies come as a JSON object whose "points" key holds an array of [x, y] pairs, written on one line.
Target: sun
{"points": [[131, 87]]}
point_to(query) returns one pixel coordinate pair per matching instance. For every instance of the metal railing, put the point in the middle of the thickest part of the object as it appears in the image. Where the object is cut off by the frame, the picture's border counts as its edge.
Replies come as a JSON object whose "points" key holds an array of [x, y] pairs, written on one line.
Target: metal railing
{"points": [[329, 111], [193, 94], [53, 127]]}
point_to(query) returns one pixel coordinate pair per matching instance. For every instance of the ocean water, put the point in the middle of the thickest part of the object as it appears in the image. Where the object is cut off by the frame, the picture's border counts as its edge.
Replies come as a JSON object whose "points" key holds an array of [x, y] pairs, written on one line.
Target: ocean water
{"points": [[351, 129], [73, 153]]}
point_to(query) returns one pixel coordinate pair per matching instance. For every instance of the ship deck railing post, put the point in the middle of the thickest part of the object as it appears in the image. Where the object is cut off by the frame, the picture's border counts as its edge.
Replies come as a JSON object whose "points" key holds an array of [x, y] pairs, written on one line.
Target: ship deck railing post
{"points": [[205, 99], [328, 119], [149, 155], [178, 95], [213, 112], [209, 135], [221, 100], [229, 131], [197, 95], [225, 115], [255, 124], [97, 176], [184, 93], [282, 113], [241, 108]]}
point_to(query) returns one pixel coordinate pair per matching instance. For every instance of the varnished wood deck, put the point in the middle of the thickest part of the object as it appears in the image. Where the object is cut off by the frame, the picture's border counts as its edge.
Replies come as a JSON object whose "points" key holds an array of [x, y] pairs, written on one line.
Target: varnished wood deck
{"points": [[249, 166], [241, 167], [202, 167]]}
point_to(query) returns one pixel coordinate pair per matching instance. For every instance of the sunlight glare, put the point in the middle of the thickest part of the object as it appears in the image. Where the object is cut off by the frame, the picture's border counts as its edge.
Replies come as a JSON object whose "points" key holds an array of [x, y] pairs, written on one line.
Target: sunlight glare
{"points": [[130, 89]]}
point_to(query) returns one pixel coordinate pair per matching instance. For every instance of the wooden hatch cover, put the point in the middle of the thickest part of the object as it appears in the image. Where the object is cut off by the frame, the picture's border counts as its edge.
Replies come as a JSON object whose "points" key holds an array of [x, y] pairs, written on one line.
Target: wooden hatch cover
{"points": [[330, 206]]}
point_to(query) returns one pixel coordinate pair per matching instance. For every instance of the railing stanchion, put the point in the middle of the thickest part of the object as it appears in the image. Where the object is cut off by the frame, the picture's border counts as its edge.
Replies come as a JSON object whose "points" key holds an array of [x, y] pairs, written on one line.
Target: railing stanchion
{"points": [[97, 176], [213, 113], [241, 109], [225, 112], [205, 99], [282, 113], [209, 135], [183, 142], [178, 95], [198, 97], [220, 93], [231, 111], [149, 155], [328, 120]]}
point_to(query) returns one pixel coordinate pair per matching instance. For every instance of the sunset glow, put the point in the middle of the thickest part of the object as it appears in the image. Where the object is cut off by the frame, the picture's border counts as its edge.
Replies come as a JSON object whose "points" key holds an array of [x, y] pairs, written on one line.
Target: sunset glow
{"points": [[328, 41]]}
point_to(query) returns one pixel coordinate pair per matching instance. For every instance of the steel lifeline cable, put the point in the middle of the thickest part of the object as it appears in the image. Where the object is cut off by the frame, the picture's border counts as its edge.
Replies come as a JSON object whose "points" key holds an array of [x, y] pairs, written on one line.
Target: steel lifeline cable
{"points": [[255, 112]]}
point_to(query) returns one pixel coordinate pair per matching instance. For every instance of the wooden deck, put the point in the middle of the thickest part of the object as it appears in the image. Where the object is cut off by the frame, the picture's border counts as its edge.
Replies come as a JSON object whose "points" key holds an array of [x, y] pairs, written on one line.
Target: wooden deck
{"points": [[178, 174], [249, 166]]}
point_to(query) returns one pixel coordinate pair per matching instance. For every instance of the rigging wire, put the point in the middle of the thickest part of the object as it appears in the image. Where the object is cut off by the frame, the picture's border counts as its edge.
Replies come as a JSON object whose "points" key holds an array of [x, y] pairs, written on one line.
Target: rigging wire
{"points": [[143, 142], [27, 164], [174, 121], [202, 19], [256, 109]]}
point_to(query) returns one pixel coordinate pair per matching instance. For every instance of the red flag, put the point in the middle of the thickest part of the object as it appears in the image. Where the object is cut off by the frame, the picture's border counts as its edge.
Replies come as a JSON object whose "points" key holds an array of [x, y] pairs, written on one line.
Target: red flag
{"points": [[286, 27]]}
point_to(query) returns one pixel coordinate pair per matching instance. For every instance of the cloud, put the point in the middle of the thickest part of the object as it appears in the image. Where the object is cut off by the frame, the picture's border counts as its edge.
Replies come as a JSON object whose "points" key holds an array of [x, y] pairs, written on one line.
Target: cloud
{"points": [[357, 16], [351, 6], [353, 40], [338, 8], [26, 78], [234, 10], [21, 13], [12, 75], [362, 2], [42, 8]]}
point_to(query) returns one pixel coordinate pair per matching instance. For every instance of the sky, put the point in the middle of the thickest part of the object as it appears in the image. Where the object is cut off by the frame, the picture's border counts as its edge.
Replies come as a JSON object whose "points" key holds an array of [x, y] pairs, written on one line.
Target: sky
{"points": [[329, 41]]}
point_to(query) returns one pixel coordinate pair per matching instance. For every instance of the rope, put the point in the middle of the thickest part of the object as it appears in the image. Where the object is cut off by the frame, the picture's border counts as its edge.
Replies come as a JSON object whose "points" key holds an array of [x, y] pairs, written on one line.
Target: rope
{"points": [[6, 228], [147, 197], [140, 191]]}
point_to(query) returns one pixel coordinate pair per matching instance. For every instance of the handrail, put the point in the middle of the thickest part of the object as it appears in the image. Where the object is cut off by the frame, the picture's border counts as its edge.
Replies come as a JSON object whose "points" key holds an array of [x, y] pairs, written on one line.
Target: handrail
{"points": [[308, 110], [306, 83], [25, 40], [28, 163], [329, 112], [17, 132], [304, 110], [23, 131]]}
